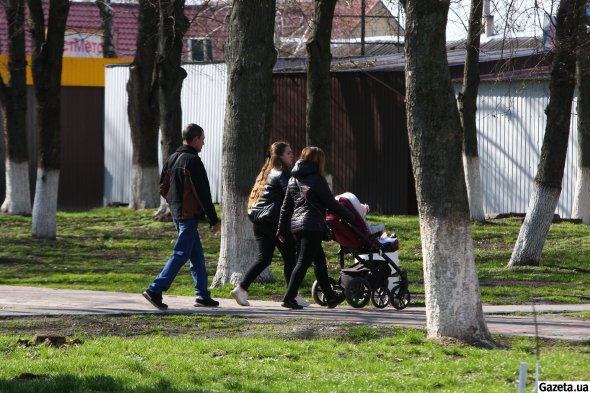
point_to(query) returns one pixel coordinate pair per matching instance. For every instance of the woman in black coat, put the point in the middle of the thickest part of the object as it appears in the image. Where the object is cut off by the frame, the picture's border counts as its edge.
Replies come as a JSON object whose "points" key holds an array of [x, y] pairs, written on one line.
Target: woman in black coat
{"points": [[264, 206], [304, 213]]}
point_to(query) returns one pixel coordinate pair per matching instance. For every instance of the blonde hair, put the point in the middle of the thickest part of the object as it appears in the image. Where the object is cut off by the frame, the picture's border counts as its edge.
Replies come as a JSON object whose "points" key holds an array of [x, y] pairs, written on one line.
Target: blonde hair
{"points": [[273, 160], [315, 155]]}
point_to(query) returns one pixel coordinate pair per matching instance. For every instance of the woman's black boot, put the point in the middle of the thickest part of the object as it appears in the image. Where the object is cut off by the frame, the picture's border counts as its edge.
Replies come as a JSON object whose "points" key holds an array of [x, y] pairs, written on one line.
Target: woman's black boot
{"points": [[292, 303]]}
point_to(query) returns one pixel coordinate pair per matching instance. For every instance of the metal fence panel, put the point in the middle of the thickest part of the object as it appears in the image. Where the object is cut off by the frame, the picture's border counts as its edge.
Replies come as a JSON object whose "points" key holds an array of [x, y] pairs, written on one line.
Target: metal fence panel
{"points": [[511, 125], [203, 102], [117, 137]]}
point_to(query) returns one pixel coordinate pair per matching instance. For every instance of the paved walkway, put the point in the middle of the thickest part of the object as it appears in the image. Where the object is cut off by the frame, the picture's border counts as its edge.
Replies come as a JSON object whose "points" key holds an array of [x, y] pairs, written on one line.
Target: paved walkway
{"points": [[32, 301]]}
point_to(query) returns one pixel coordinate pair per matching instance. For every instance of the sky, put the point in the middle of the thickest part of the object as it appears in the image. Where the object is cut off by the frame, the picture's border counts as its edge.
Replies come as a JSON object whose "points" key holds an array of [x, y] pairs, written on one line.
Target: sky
{"points": [[511, 17]]}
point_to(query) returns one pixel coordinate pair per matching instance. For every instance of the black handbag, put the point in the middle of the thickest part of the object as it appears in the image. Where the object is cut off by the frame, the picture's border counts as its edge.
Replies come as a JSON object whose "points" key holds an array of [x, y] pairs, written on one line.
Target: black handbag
{"points": [[328, 233]]}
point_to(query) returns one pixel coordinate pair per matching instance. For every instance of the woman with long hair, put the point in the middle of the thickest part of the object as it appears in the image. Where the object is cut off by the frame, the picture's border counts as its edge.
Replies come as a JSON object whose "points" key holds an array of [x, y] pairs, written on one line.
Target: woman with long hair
{"points": [[264, 206], [304, 215]]}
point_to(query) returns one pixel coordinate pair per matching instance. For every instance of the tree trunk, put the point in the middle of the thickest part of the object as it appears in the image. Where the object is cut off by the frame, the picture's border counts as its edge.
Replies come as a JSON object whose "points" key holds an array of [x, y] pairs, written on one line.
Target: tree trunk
{"points": [[250, 56], [582, 192], [453, 298], [318, 105], [467, 108], [142, 110], [108, 34], [547, 187], [13, 105], [47, 54], [173, 25]]}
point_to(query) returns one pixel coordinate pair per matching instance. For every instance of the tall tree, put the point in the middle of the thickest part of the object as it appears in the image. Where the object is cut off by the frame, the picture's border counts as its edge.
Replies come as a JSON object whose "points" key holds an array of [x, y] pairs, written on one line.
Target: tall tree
{"points": [[547, 185], [172, 27], [582, 192], [453, 298], [317, 109], [250, 56], [47, 54], [108, 33], [13, 105], [467, 109], [142, 110]]}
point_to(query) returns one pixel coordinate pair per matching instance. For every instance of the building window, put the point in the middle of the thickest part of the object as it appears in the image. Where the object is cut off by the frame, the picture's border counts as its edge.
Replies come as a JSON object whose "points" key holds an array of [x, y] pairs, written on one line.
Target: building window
{"points": [[200, 49]]}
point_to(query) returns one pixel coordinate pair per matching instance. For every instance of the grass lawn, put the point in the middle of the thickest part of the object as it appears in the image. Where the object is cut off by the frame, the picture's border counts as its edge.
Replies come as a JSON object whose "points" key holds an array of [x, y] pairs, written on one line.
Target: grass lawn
{"points": [[117, 249], [189, 353]]}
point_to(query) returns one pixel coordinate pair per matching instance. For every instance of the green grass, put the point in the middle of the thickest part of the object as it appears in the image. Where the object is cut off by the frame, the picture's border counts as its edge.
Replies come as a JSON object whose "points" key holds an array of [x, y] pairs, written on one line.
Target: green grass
{"points": [[354, 359], [117, 249]]}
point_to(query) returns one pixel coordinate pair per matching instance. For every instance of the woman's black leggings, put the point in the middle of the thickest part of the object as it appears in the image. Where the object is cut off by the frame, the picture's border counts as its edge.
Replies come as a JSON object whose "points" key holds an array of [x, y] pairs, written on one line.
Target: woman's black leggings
{"points": [[265, 234], [309, 248]]}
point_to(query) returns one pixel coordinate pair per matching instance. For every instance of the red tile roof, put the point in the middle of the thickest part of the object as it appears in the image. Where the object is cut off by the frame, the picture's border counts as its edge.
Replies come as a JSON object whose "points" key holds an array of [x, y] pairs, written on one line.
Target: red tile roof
{"points": [[293, 22]]}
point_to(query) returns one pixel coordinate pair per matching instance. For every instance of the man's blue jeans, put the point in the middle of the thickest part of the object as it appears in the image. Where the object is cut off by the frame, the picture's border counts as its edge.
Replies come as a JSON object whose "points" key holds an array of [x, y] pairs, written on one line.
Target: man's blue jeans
{"points": [[188, 246]]}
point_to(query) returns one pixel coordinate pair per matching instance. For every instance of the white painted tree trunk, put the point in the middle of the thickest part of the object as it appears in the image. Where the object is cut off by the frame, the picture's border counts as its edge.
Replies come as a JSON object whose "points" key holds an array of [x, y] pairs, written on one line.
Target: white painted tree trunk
{"points": [[144, 187], [45, 203], [582, 196], [18, 194], [533, 232], [453, 297], [238, 250], [163, 212], [474, 189]]}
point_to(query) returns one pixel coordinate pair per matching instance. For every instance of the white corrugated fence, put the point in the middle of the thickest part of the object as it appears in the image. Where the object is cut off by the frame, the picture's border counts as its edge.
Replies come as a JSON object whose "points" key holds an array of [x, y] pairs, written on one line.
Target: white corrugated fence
{"points": [[203, 102], [511, 124]]}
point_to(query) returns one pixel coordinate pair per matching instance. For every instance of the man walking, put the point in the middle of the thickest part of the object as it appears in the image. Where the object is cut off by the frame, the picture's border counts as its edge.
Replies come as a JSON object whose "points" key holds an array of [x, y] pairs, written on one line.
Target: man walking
{"points": [[185, 186]]}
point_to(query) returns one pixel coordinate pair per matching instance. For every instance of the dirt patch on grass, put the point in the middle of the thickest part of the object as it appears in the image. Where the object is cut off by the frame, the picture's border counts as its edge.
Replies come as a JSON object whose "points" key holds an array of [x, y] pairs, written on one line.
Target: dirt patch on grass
{"points": [[176, 325]]}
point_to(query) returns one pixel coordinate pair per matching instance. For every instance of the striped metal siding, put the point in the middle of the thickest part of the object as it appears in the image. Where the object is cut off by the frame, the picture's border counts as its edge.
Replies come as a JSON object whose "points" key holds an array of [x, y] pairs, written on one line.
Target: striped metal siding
{"points": [[511, 126], [289, 92], [117, 137], [81, 159], [369, 139], [80, 185], [203, 102]]}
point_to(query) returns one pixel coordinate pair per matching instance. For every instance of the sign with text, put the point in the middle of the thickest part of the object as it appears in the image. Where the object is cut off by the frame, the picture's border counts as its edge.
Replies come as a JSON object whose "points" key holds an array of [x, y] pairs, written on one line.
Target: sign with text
{"points": [[86, 43]]}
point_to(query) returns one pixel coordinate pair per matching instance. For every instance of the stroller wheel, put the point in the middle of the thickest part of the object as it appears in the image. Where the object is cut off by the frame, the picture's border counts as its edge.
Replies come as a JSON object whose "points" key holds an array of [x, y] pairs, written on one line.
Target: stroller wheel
{"points": [[380, 297], [318, 294], [358, 292], [399, 297]]}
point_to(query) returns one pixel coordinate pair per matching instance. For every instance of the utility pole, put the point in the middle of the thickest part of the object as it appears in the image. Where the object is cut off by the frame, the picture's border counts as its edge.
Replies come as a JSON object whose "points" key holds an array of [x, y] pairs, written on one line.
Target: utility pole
{"points": [[362, 27], [489, 18]]}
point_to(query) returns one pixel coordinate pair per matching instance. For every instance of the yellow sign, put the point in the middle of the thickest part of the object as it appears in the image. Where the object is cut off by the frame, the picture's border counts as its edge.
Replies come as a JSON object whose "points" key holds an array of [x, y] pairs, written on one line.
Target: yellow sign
{"points": [[76, 71]]}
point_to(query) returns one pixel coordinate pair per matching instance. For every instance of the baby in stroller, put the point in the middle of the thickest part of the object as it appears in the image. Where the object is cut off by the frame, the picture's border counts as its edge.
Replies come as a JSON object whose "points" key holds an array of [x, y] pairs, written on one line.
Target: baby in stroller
{"points": [[362, 209], [375, 275]]}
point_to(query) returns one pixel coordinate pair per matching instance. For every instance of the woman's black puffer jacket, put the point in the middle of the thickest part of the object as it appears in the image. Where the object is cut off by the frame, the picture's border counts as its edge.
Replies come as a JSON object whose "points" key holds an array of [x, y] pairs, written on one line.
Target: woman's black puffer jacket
{"points": [[268, 206], [308, 196]]}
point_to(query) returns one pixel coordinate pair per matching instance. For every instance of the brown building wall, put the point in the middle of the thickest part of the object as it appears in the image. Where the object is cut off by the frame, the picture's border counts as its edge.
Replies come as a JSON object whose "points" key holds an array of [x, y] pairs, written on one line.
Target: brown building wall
{"points": [[82, 151], [370, 145], [370, 152]]}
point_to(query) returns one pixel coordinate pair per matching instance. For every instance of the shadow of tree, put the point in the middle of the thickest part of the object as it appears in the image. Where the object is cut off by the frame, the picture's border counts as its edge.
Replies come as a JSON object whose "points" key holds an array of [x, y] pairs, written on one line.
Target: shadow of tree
{"points": [[30, 383]]}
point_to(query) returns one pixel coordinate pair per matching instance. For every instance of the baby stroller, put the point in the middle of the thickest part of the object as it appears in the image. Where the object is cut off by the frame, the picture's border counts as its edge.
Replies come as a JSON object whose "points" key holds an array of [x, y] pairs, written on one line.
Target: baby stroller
{"points": [[375, 275]]}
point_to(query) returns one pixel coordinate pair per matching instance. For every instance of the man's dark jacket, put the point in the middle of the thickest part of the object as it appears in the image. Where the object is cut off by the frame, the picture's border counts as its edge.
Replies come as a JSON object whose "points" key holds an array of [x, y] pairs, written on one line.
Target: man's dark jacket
{"points": [[184, 184], [308, 196]]}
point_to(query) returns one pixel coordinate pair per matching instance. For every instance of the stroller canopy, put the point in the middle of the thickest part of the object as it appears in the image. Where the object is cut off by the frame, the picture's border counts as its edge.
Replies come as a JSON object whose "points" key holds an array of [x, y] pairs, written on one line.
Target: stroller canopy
{"points": [[345, 236]]}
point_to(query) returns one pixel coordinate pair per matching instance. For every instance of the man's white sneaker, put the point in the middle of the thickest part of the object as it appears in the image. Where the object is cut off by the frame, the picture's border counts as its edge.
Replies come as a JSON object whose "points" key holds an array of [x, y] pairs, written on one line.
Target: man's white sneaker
{"points": [[240, 295], [301, 301]]}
